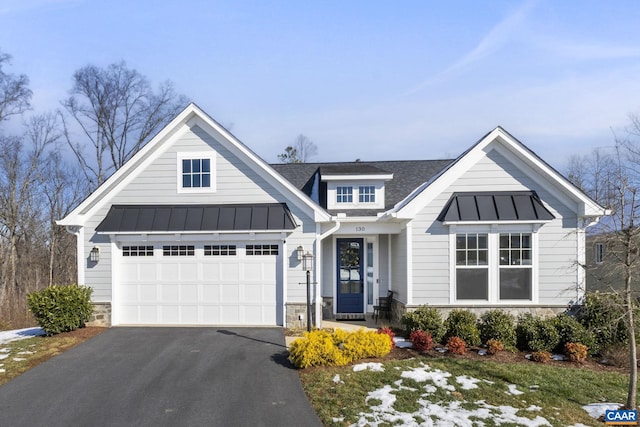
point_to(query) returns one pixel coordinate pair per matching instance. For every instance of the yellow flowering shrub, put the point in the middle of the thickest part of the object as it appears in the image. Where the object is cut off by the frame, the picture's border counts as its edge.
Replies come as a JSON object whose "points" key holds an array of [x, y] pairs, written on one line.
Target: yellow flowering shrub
{"points": [[337, 348]]}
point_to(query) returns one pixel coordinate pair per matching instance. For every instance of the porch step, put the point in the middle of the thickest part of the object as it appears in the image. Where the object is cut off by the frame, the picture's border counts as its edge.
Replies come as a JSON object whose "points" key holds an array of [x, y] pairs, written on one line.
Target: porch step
{"points": [[350, 316]]}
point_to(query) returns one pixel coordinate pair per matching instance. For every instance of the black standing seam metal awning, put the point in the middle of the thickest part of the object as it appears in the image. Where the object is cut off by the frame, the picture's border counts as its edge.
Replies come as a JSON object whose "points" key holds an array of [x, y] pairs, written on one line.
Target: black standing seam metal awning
{"points": [[197, 218], [495, 206]]}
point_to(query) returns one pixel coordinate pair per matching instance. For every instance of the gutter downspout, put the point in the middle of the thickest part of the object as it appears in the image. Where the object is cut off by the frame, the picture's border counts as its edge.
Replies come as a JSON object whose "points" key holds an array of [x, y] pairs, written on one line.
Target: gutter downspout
{"points": [[318, 261]]}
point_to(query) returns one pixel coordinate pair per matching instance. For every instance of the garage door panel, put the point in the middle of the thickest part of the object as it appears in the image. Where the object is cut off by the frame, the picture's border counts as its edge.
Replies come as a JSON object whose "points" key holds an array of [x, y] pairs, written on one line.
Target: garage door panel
{"points": [[230, 314], [169, 271], [224, 290], [229, 271], [210, 293], [229, 293], [170, 314], [169, 293], [188, 272], [189, 292], [211, 314], [147, 272], [148, 292]]}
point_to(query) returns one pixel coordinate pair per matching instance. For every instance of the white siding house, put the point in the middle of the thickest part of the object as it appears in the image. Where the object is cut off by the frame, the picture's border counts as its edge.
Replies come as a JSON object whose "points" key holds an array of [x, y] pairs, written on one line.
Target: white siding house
{"points": [[196, 229]]}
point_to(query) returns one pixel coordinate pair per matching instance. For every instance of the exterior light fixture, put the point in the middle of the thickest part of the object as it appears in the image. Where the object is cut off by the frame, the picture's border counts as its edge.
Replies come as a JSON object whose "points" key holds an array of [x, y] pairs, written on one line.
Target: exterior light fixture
{"points": [[300, 252], [307, 261], [94, 255]]}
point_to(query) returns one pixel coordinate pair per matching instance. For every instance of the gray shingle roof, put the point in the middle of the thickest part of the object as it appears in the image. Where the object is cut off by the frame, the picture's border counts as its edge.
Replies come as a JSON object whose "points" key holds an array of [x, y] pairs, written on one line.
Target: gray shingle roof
{"points": [[407, 176]]}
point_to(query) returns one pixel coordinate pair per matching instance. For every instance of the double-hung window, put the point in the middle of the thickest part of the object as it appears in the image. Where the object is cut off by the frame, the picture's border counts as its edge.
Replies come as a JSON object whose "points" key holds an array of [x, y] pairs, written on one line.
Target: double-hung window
{"points": [[494, 266], [472, 266], [516, 266]]}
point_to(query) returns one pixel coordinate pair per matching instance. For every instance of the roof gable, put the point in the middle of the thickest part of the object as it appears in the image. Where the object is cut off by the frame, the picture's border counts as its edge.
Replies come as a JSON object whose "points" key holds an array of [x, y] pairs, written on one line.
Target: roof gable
{"points": [[192, 115], [501, 140]]}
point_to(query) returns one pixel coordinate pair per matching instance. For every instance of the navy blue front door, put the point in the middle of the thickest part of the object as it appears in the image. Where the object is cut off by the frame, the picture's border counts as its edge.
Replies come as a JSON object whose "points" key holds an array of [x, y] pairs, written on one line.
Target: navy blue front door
{"points": [[350, 276]]}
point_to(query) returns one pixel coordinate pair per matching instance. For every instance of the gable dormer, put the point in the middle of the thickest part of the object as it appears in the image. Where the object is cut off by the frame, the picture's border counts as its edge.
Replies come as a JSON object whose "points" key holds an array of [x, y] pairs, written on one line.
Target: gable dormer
{"points": [[354, 186]]}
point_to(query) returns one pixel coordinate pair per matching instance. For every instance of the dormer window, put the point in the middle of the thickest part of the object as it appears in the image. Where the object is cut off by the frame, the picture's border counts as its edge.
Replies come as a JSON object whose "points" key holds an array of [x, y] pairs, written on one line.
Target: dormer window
{"points": [[367, 194], [344, 194], [196, 172], [353, 186]]}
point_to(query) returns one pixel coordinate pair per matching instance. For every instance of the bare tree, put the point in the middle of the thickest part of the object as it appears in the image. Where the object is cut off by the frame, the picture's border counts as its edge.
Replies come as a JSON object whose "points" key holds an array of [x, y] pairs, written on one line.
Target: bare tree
{"points": [[301, 151], [21, 177], [115, 111], [15, 95], [611, 177]]}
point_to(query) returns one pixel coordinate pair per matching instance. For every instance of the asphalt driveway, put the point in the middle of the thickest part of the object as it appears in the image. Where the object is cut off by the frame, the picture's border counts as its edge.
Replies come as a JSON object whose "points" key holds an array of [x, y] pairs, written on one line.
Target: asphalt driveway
{"points": [[163, 377]]}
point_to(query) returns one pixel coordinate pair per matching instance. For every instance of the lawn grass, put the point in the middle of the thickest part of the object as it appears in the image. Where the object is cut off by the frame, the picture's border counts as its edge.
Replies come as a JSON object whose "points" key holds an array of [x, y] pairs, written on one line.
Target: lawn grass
{"points": [[559, 392], [25, 354]]}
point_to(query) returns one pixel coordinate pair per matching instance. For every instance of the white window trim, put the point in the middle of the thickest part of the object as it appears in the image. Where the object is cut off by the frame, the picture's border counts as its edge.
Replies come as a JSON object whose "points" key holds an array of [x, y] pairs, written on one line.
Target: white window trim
{"points": [[493, 233], [196, 155], [378, 194]]}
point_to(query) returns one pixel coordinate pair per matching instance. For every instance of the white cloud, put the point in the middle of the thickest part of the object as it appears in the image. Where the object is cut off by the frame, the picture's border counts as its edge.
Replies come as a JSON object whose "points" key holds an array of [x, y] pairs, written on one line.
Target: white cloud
{"points": [[494, 40]]}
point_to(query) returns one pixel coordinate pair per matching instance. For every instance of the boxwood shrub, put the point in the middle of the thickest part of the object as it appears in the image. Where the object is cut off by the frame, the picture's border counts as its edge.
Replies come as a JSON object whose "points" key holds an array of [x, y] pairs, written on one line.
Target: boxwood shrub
{"points": [[602, 314], [498, 325], [462, 324], [426, 319], [61, 308], [571, 331], [536, 334]]}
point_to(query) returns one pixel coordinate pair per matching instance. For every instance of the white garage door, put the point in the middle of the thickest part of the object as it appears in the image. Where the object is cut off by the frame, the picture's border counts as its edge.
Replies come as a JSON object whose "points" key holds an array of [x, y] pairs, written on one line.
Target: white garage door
{"points": [[199, 284]]}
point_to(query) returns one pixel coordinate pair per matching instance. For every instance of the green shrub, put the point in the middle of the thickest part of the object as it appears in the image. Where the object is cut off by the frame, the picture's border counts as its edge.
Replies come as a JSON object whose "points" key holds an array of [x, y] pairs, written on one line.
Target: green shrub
{"points": [[61, 308], [497, 325], [602, 314], [463, 324], [536, 334], [571, 331], [425, 318], [337, 348]]}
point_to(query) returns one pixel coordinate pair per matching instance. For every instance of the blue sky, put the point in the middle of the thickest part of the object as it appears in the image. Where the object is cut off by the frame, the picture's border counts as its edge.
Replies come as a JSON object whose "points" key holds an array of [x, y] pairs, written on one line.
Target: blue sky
{"points": [[373, 80]]}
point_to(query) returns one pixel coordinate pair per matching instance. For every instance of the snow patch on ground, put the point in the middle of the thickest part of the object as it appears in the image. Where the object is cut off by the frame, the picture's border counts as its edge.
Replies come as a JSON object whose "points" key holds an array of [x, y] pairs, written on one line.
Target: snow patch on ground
{"points": [[467, 383], [514, 390], [596, 410], [424, 373], [372, 366], [336, 379], [19, 334]]}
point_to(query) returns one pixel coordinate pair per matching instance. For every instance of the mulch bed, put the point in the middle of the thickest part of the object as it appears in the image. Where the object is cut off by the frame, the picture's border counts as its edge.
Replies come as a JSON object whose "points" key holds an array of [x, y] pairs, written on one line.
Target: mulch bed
{"points": [[502, 357]]}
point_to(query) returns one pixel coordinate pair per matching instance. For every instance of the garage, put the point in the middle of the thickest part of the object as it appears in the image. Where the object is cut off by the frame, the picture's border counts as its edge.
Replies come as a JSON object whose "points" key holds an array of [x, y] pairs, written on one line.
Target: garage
{"points": [[198, 284], [182, 264]]}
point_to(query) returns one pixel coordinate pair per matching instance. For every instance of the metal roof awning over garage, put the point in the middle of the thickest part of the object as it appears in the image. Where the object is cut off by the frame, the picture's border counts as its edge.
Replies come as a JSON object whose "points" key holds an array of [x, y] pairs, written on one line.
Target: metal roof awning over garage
{"points": [[495, 206], [197, 218]]}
